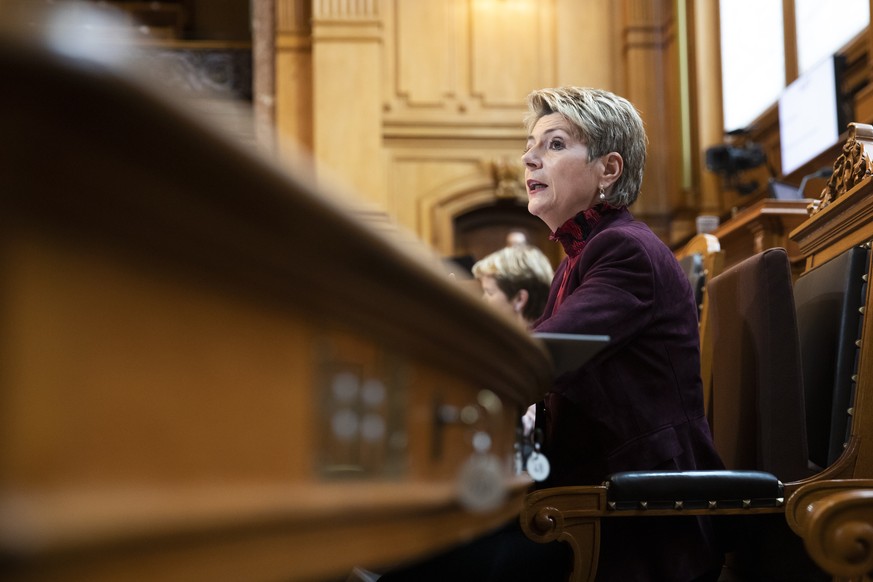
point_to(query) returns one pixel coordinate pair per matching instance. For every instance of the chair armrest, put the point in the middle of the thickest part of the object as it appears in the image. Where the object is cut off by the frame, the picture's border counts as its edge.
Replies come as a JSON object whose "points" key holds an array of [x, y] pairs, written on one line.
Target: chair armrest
{"points": [[635, 490]]}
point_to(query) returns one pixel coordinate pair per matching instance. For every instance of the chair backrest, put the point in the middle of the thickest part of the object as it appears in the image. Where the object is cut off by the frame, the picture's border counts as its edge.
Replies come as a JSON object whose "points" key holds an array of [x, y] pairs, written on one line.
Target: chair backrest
{"points": [[758, 418], [828, 300]]}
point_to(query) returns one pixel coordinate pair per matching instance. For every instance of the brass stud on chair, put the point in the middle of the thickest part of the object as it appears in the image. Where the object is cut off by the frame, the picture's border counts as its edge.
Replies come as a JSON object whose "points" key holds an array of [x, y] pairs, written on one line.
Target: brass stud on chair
{"points": [[747, 503], [713, 505], [677, 505], [780, 501], [644, 504], [858, 343], [611, 504]]}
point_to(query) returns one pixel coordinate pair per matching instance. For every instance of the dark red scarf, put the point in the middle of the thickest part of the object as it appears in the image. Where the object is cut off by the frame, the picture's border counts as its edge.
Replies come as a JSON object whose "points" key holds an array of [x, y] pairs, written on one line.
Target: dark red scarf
{"points": [[573, 235]]}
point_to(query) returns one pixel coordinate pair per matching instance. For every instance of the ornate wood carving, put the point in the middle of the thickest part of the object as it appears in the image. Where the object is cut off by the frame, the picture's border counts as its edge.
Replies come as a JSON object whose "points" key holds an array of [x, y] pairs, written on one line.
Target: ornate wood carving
{"points": [[445, 62], [508, 179], [835, 520], [851, 168], [545, 518], [345, 9]]}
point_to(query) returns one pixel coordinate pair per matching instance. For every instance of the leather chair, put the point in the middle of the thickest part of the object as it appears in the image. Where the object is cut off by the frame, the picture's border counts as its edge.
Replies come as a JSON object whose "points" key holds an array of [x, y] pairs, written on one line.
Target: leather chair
{"points": [[758, 415], [829, 301]]}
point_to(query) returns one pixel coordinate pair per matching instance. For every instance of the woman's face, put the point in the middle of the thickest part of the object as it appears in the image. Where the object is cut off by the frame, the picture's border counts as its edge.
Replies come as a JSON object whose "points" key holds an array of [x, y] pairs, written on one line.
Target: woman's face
{"points": [[560, 180], [495, 297]]}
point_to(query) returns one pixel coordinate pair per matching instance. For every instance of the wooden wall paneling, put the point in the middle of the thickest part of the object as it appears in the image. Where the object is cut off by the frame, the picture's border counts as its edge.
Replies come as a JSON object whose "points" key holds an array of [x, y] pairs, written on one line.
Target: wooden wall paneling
{"points": [[588, 52], [422, 177], [450, 184], [427, 33], [475, 116], [496, 28], [422, 62], [646, 51], [347, 117], [436, 185], [454, 77], [457, 62]]}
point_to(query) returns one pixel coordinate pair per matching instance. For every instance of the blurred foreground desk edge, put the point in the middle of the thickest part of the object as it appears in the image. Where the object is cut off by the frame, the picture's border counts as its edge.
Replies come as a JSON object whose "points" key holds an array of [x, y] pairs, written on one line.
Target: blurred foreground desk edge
{"points": [[210, 372]]}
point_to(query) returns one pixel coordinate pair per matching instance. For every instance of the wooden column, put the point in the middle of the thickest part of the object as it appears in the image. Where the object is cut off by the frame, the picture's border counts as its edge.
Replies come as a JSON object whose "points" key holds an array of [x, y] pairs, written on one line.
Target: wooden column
{"points": [[264, 71], [347, 132], [651, 69], [293, 76], [705, 79]]}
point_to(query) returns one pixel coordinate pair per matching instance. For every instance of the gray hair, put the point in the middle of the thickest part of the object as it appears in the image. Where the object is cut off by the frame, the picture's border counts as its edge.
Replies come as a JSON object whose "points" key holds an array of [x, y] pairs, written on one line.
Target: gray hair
{"points": [[607, 123]]}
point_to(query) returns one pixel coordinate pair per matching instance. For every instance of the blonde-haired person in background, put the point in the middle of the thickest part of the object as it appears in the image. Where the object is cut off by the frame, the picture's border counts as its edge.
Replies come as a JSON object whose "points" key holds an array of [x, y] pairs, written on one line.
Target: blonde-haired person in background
{"points": [[516, 280]]}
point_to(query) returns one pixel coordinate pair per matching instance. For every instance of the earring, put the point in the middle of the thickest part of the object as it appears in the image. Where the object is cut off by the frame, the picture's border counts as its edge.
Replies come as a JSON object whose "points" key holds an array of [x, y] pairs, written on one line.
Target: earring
{"points": [[602, 195]]}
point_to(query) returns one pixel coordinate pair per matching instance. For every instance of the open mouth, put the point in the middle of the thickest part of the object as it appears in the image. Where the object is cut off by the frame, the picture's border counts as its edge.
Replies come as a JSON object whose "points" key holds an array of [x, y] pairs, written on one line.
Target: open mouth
{"points": [[533, 186]]}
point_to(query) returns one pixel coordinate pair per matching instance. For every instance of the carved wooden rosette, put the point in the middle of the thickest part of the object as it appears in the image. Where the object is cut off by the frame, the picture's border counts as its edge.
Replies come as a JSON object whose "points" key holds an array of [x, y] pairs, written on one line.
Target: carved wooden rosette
{"points": [[839, 533], [570, 515], [508, 180], [851, 167]]}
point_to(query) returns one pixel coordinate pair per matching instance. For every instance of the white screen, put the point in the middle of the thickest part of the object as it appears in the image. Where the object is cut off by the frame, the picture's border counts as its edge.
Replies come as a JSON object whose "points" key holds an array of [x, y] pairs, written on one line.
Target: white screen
{"points": [[808, 121], [752, 55], [826, 26]]}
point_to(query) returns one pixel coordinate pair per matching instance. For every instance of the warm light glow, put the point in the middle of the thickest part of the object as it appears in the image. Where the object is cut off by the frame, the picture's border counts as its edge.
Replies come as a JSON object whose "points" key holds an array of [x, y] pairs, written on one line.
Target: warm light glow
{"points": [[517, 5]]}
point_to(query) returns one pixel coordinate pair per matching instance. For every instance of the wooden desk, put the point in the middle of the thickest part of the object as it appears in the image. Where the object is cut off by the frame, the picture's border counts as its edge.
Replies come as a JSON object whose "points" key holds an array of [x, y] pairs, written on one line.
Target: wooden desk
{"points": [[833, 230], [763, 225], [209, 370]]}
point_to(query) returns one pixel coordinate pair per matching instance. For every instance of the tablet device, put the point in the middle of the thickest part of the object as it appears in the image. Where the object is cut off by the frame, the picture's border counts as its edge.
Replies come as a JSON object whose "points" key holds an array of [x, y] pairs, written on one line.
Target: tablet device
{"points": [[570, 351]]}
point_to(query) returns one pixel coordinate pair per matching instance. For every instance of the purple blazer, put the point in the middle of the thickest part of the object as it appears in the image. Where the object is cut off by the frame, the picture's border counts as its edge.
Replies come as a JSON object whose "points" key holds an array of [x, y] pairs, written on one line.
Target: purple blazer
{"points": [[638, 404]]}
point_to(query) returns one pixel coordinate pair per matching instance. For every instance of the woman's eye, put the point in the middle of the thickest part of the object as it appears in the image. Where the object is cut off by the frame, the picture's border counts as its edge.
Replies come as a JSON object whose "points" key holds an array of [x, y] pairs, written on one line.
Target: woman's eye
{"points": [[556, 144]]}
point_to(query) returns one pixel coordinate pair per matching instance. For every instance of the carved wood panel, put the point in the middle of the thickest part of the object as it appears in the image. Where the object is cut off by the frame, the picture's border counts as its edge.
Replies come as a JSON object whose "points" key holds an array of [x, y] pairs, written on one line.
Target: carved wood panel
{"points": [[459, 60], [522, 31]]}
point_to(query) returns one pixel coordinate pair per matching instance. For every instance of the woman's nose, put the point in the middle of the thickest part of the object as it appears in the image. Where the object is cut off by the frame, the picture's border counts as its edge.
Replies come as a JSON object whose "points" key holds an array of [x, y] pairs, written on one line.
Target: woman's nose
{"points": [[530, 159]]}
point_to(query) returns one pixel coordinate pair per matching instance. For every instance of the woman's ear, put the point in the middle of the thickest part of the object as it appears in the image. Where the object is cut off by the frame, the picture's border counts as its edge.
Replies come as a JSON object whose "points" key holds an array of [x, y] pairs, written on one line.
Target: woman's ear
{"points": [[520, 300], [613, 165]]}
